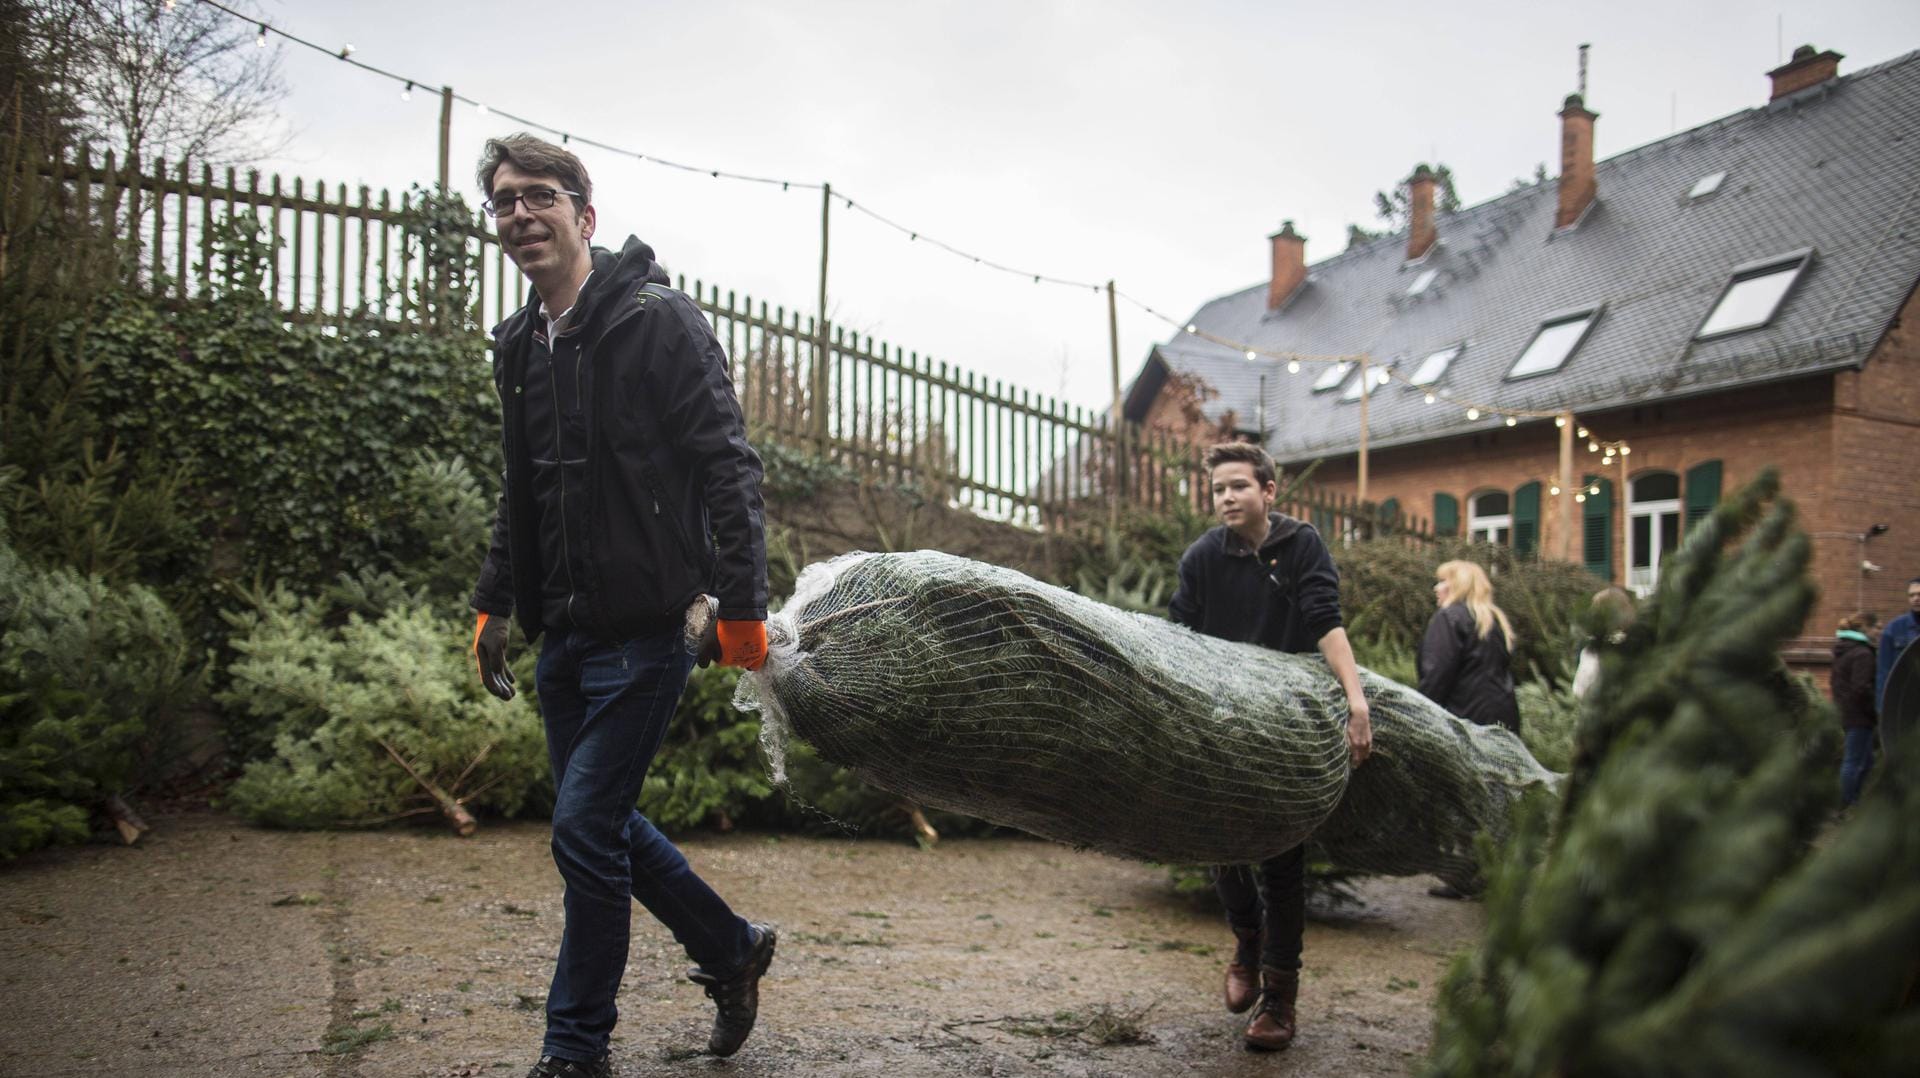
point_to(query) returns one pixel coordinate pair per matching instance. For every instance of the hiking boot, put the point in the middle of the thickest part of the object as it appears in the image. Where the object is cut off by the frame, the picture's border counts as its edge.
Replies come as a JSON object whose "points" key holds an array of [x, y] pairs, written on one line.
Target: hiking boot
{"points": [[1243, 973], [1273, 1025], [737, 998], [556, 1067]]}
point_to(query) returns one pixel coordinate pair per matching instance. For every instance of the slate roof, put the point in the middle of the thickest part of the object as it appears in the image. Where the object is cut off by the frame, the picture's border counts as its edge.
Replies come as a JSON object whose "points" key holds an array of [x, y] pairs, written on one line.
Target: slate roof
{"points": [[1834, 168]]}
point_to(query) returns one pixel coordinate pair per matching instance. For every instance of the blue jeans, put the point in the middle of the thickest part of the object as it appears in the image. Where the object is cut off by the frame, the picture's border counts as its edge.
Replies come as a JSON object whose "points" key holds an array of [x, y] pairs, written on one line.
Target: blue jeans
{"points": [[607, 706], [1268, 899], [1856, 763]]}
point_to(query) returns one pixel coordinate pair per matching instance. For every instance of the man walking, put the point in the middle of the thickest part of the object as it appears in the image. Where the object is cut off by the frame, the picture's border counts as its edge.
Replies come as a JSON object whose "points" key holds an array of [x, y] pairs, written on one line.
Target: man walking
{"points": [[630, 491], [1265, 578]]}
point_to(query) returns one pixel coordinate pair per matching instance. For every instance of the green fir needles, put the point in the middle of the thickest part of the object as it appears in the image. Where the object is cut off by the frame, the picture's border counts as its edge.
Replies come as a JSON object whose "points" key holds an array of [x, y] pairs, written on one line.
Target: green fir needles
{"points": [[1680, 911]]}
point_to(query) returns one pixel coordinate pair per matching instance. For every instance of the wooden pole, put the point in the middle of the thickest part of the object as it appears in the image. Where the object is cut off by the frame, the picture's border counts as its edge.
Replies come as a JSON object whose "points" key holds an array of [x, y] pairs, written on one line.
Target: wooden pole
{"points": [[1118, 447], [1565, 505], [446, 133], [1626, 529], [823, 353], [1366, 394]]}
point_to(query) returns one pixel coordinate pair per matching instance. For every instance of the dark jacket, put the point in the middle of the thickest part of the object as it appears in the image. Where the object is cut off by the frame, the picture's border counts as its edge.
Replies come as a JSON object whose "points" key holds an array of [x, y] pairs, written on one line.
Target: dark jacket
{"points": [[1468, 674], [1285, 596], [1851, 680], [1900, 634], [671, 501]]}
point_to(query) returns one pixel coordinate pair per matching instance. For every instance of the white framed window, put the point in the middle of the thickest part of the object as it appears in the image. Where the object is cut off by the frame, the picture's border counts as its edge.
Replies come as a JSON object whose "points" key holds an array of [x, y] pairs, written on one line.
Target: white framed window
{"points": [[1377, 373], [1708, 185], [1434, 366], [1753, 295], [1490, 518], [1653, 527], [1333, 376], [1555, 341]]}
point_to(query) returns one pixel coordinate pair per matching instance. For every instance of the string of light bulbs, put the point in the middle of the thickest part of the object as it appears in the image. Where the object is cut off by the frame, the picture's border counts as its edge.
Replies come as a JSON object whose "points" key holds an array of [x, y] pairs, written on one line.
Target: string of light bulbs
{"points": [[1294, 360]]}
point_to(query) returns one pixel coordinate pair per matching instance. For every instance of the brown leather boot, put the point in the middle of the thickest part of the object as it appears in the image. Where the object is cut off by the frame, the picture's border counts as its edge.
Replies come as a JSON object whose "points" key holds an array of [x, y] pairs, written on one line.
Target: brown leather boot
{"points": [[1272, 1026], [1243, 973]]}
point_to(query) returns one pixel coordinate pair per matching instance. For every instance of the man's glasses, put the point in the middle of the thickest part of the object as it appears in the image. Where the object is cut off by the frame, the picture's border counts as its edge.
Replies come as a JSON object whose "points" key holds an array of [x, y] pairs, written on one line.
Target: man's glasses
{"points": [[540, 198]]}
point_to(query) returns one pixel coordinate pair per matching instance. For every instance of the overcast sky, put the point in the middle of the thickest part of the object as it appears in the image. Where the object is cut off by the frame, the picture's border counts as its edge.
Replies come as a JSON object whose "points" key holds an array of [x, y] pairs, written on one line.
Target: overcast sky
{"points": [[1153, 143]]}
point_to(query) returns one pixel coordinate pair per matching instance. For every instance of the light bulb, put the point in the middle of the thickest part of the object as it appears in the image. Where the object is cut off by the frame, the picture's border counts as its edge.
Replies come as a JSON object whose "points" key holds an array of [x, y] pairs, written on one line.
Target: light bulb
{"points": [[1473, 413], [1249, 353], [1191, 328], [1559, 421], [1579, 497], [1554, 490], [1583, 432], [480, 107], [260, 41], [1293, 366], [1593, 447], [1625, 449], [1430, 398], [1512, 422], [407, 94], [1594, 489]]}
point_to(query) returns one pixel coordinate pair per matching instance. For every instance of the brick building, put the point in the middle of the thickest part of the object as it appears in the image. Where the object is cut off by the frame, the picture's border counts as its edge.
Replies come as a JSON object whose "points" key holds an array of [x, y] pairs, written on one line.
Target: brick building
{"points": [[1735, 296]]}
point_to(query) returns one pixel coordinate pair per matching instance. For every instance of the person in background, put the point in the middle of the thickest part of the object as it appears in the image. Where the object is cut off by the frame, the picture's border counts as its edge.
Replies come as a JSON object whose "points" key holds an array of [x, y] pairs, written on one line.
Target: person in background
{"points": [[1851, 683], [1466, 656], [1264, 578], [1612, 614], [1899, 634], [630, 494]]}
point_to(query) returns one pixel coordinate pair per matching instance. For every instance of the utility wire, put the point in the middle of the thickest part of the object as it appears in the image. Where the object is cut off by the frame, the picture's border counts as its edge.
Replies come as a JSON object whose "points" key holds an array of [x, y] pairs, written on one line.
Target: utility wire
{"points": [[1293, 359]]}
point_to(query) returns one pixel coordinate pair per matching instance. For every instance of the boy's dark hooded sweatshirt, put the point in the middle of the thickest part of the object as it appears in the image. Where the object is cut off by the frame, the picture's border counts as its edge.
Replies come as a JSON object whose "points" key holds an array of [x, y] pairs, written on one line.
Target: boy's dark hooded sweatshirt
{"points": [[1284, 596]]}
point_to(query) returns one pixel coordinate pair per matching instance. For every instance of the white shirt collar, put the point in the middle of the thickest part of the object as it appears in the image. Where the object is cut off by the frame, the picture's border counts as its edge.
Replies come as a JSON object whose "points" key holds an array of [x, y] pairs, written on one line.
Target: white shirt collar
{"points": [[552, 319]]}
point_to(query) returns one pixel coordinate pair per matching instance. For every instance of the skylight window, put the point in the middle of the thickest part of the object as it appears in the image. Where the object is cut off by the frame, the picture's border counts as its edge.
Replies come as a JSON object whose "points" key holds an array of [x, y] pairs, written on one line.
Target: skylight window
{"points": [[1421, 283], [1708, 185], [1435, 365], [1333, 377], [1376, 374], [1753, 296], [1550, 347]]}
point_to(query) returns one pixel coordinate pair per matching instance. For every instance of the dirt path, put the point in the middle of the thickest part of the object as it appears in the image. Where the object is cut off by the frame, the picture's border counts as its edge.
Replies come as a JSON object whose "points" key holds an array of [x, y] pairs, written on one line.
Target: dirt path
{"points": [[218, 949]]}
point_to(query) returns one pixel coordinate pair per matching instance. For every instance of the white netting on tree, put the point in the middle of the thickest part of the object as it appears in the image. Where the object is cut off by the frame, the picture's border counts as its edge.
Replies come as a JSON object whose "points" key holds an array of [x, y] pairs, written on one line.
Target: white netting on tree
{"points": [[976, 689]]}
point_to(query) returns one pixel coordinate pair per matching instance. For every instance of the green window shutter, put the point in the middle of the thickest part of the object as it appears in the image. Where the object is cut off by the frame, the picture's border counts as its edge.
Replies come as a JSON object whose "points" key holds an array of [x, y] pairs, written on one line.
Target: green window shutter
{"points": [[1526, 519], [1323, 522], [1389, 514], [1703, 491], [1599, 528], [1446, 514]]}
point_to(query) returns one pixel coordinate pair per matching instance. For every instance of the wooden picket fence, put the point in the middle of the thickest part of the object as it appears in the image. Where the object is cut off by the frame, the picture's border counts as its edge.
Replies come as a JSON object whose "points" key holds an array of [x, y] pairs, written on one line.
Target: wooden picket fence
{"points": [[342, 255]]}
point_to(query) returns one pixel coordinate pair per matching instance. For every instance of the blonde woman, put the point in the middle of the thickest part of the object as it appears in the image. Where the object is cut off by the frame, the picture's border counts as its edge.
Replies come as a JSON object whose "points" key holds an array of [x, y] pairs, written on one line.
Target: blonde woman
{"points": [[1465, 659]]}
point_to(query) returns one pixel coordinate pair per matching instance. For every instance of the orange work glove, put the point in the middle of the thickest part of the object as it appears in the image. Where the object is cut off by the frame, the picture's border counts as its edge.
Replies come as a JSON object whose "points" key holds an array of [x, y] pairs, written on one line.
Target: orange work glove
{"points": [[742, 643], [490, 654]]}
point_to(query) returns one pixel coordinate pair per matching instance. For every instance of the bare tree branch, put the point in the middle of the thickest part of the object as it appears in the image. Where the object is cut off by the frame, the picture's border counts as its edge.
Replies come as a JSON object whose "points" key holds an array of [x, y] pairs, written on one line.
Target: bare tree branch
{"points": [[191, 83]]}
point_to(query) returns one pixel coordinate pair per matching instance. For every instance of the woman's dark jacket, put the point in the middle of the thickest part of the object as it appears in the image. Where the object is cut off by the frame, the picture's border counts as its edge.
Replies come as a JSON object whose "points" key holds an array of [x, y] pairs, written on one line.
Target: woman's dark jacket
{"points": [[1468, 674], [669, 503], [1284, 596], [1851, 681]]}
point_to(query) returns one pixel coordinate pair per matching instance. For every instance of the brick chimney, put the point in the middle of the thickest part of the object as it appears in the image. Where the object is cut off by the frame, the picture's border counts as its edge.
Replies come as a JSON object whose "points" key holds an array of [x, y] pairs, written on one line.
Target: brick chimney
{"points": [[1420, 231], [1809, 67], [1576, 161], [1289, 265]]}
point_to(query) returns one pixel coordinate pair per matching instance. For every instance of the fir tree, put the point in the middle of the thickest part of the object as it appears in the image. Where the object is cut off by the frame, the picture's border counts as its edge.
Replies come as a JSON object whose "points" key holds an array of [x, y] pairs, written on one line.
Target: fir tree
{"points": [[92, 680], [374, 720], [1679, 911]]}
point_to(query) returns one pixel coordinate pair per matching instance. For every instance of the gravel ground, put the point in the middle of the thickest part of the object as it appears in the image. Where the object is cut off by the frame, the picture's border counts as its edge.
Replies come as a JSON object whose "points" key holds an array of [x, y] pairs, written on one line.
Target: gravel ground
{"points": [[216, 948]]}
